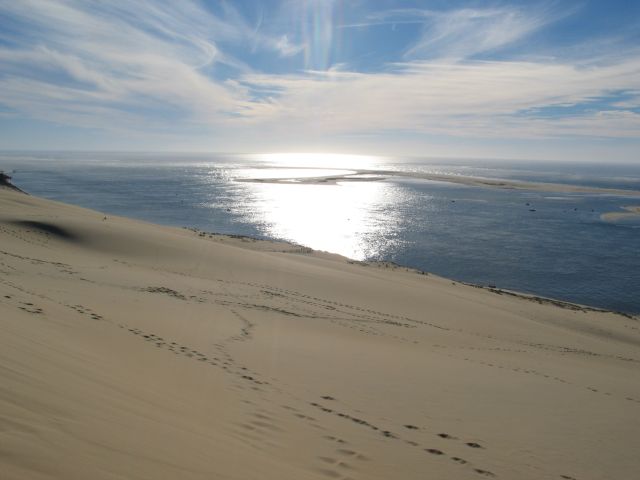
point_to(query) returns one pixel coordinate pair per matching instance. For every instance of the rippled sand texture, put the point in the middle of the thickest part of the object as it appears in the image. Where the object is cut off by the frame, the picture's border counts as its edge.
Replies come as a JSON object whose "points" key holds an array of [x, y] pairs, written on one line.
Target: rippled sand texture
{"points": [[130, 350]]}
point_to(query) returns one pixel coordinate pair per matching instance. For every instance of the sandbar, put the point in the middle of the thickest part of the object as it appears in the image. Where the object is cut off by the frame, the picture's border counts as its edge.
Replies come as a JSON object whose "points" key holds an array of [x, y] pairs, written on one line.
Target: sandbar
{"points": [[378, 175]]}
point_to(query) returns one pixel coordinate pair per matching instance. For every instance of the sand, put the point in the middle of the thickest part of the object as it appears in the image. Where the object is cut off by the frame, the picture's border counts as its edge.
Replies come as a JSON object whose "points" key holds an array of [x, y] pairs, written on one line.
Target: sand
{"points": [[130, 350], [378, 175], [630, 213]]}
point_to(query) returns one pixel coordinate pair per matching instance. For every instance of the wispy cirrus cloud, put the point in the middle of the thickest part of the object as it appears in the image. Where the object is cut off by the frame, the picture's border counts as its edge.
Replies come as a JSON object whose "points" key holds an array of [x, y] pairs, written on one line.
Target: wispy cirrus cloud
{"points": [[162, 67], [117, 59], [134, 62], [465, 32], [477, 99]]}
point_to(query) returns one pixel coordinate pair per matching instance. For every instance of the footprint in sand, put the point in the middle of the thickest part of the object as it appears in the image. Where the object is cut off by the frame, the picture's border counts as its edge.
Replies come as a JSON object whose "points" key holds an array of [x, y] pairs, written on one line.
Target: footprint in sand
{"points": [[335, 439], [434, 451], [486, 473], [473, 445], [351, 453]]}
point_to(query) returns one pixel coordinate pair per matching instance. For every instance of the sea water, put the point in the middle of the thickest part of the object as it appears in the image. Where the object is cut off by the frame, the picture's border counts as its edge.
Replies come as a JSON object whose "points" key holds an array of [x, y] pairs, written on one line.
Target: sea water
{"points": [[551, 244]]}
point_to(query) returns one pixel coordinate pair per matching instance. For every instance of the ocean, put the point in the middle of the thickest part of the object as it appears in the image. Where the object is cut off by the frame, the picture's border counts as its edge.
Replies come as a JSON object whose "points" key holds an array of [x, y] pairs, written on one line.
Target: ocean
{"points": [[555, 244]]}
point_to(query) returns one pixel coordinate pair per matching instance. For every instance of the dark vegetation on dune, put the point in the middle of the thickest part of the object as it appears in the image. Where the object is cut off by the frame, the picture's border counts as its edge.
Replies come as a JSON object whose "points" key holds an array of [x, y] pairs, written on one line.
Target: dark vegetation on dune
{"points": [[5, 181]]}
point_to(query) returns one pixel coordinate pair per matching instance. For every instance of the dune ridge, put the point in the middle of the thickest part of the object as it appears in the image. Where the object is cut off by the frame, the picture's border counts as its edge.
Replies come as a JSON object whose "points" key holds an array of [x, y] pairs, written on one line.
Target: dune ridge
{"points": [[132, 350]]}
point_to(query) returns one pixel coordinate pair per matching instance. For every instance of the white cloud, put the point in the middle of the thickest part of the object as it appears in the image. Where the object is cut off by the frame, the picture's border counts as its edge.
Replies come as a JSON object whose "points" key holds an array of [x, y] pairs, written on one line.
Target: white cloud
{"points": [[146, 66], [286, 48], [461, 33], [481, 98], [113, 58], [466, 32], [120, 57]]}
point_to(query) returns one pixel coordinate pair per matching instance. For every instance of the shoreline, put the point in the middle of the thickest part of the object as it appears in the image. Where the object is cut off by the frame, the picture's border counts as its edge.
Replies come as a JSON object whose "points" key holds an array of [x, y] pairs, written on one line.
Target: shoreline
{"points": [[286, 246]]}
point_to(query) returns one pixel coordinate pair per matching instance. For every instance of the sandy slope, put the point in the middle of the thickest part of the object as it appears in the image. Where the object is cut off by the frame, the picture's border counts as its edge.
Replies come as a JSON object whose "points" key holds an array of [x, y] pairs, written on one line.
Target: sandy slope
{"points": [[129, 350]]}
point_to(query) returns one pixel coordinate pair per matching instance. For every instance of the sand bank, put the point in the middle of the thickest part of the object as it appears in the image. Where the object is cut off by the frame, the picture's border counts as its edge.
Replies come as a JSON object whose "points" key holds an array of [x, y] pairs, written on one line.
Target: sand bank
{"points": [[630, 213], [378, 175], [131, 350]]}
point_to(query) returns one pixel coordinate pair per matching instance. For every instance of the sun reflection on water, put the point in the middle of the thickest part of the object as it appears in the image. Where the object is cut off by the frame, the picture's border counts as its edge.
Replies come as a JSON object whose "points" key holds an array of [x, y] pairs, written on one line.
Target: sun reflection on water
{"points": [[332, 218], [341, 217]]}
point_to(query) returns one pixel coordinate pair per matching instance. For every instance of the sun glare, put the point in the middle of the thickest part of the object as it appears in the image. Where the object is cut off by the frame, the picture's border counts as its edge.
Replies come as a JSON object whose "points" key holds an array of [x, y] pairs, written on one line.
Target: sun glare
{"points": [[293, 200], [319, 160], [334, 218]]}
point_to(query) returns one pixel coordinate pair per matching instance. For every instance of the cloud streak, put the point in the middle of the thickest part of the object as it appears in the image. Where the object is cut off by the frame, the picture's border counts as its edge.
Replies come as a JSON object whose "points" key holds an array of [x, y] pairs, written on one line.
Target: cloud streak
{"points": [[467, 32], [479, 99], [117, 59], [154, 66]]}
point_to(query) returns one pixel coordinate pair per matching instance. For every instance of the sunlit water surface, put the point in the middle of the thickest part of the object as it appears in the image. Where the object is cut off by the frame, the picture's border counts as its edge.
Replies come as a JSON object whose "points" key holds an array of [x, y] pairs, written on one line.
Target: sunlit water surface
{"points": [[555, 245]]}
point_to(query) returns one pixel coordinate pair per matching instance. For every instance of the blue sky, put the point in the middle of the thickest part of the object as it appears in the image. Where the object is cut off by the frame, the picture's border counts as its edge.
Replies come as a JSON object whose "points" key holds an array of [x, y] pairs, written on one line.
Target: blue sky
{"points": [[530, 79]]}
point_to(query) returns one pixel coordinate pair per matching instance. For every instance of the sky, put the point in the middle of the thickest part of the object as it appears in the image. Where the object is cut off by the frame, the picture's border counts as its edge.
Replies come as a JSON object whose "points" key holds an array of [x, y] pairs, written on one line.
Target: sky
{"points": [[556, 80]]}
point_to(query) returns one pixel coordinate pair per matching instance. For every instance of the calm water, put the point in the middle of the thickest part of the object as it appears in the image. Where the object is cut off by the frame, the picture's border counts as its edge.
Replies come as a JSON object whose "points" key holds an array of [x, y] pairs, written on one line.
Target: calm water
{"points": [[563, 249]]}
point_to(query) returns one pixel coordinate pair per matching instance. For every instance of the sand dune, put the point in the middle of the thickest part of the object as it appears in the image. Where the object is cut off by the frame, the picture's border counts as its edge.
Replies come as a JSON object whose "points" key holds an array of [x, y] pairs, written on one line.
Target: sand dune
{"points": [[130, 350]]}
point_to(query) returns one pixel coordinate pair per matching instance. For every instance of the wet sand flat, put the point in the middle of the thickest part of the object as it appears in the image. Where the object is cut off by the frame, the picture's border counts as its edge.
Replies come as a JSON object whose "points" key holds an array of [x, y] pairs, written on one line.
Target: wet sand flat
{"points": [[378, 175], [629, 213]]}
